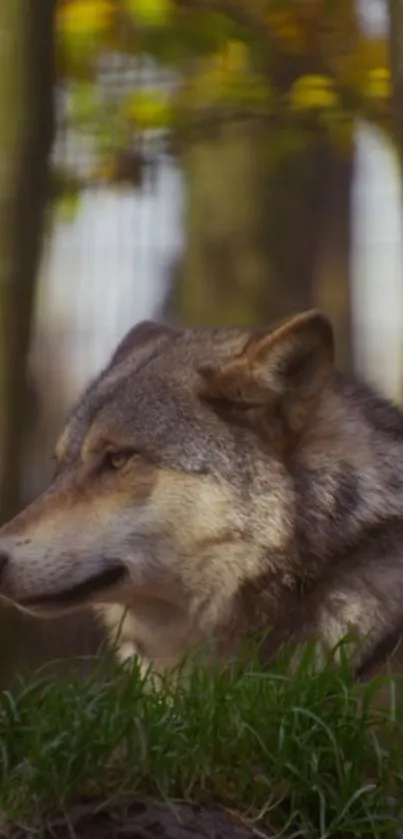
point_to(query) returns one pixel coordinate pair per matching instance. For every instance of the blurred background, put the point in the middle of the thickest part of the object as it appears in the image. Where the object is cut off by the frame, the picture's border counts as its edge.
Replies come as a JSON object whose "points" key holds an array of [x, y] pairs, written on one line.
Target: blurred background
{"points": [[205, 162]]}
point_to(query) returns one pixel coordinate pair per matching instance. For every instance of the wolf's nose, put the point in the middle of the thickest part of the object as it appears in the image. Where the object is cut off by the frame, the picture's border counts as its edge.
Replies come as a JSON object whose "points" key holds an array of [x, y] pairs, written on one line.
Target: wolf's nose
{"points": [[4, 558]]}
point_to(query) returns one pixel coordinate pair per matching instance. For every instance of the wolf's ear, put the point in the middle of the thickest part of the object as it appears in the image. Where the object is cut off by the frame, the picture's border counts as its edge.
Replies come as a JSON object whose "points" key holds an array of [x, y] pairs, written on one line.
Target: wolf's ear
{"points": [[144, 332], [286, 367]]}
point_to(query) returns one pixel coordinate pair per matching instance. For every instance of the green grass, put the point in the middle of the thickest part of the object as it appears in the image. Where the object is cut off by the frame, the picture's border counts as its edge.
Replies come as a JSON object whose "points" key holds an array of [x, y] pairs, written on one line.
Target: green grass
{"points": [[311, 754]]}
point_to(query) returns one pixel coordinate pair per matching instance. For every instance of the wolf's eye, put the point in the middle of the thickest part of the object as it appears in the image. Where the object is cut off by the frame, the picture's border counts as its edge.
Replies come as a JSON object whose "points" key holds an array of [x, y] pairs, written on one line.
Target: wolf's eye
{"points": [[117, 460]]}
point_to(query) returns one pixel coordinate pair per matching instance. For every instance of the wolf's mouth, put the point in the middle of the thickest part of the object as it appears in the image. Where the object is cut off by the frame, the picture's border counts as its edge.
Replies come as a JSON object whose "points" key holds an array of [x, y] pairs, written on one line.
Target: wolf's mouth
{"points": [[80, 593]]}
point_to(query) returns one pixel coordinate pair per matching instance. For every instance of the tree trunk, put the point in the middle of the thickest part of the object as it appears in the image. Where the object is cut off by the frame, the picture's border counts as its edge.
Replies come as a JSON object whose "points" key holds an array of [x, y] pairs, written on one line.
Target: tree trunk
{"points": [[333, 267], [26, 128], [255, 229], [396, 65], [26, 132], [395, 8]]}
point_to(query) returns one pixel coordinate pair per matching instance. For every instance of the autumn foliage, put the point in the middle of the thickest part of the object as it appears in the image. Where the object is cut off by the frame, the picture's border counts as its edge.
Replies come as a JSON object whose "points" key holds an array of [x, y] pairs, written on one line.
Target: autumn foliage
{"points": [[301, 64]]}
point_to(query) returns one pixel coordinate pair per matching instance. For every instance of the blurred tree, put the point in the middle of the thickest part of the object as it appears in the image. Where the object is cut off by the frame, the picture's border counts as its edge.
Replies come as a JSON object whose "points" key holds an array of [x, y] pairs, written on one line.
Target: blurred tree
{"points": [[252, 225], [396, 63], [262, 113], [332, 269], [262, 193], [395, 8], [289, 62], [26, 130], [26, 125]]}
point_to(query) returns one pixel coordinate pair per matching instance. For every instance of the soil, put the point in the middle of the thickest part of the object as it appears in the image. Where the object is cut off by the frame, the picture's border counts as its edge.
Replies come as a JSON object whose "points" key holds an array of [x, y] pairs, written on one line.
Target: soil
{"points": [[141, 820]]}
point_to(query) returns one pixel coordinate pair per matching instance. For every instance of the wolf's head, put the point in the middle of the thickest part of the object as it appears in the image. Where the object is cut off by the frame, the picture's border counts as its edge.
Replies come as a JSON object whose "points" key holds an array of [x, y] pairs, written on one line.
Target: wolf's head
{"points": [[171, 482]]}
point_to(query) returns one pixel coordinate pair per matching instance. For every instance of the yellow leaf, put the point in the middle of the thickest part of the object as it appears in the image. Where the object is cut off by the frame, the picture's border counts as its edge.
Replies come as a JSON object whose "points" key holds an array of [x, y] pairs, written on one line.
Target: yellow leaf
{"points": [[352, 67], [220, 72], [378, 83], [234, 58], [83, 17], [148, 110], [207, 86], [150, 12], [312, 92]]}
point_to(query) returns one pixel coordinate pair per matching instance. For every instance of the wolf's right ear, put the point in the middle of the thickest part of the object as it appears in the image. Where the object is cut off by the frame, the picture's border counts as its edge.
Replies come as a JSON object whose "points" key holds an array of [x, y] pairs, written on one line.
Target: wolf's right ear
{"points": [[285, 367], [144, 332]]}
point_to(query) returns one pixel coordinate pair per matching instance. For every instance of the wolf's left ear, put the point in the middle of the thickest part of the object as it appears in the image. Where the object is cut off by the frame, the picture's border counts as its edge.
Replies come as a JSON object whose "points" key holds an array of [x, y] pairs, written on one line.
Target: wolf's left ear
{"points": [[287, 367]]}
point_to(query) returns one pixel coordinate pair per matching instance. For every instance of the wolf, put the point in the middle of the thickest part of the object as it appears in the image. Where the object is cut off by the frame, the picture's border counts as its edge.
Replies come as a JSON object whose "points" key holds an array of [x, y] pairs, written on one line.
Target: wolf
{"points": [[211, 484]]}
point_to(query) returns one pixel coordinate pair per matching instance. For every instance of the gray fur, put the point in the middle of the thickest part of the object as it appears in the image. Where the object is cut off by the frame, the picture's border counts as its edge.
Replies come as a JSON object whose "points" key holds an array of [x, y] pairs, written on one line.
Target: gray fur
{"points": [[262, 491]]}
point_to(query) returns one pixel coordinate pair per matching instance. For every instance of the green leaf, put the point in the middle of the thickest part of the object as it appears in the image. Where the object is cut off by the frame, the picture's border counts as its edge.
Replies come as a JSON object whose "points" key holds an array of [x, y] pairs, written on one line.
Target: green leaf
{"points": [[148, 109], [66, 207], [84, 102], [150, 12]]}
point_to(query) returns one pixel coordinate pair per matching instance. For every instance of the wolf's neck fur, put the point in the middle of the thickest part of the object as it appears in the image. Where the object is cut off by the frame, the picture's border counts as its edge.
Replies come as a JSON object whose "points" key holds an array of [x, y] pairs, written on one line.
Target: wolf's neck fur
{"points": [[348, 472], [348, 483]]}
